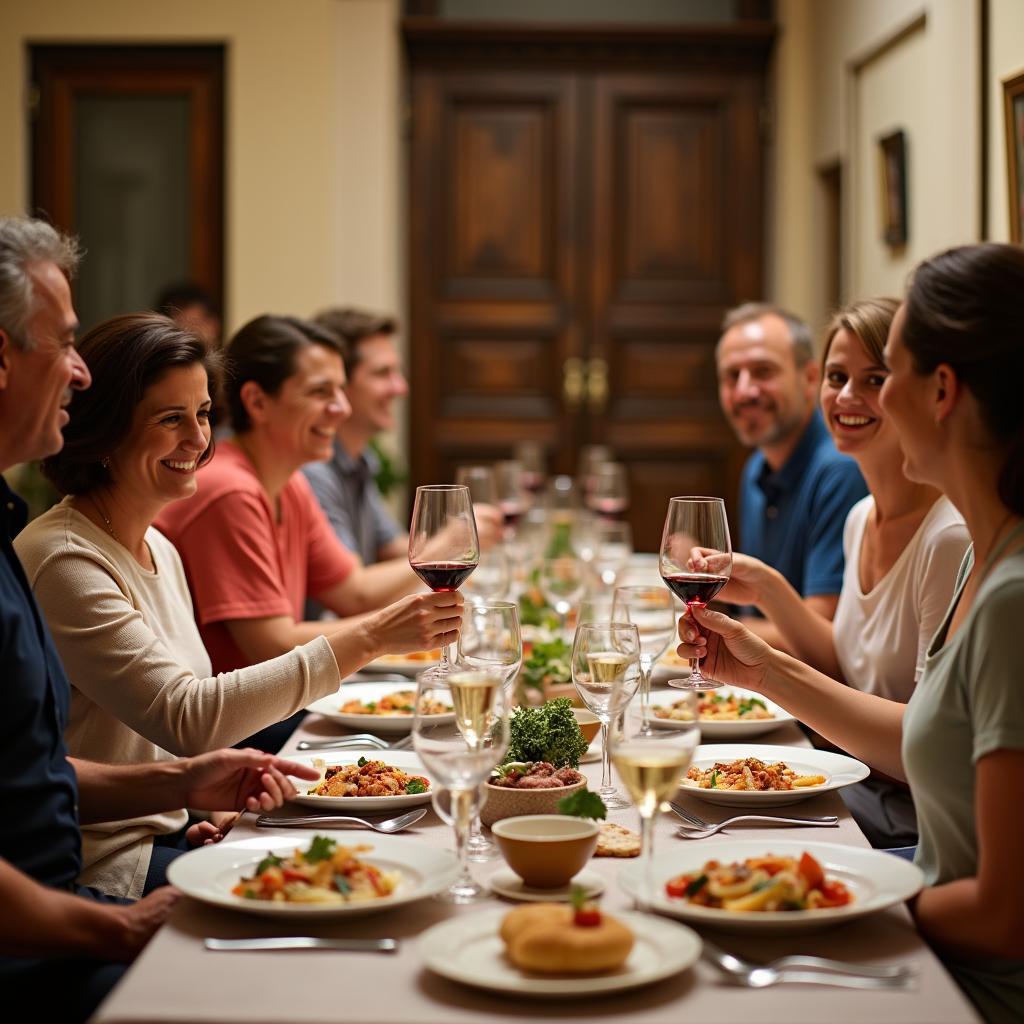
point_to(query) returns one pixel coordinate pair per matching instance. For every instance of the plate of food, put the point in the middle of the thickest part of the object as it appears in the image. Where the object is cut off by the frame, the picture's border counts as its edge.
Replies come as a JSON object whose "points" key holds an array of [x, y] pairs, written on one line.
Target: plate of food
{"points": [[375, 707], [726, 714], [670, 665], [539, 950], [748, 775], [406, 664], [773, 886], [326, 875], [364, 781]]}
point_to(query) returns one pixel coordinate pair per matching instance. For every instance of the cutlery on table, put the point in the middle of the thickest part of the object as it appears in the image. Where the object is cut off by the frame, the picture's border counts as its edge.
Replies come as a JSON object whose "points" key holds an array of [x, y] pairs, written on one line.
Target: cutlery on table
{"points": [[363, 740], [387, 825], [698, 828], [303, 942], [809, 970]]}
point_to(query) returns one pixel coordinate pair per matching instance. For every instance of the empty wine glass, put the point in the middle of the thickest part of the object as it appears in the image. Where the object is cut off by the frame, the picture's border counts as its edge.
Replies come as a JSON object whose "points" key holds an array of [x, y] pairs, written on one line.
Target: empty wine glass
{"points": [[530, 455], [492, 578], [443, 545], [652, 610], [483, 490], [490, 641], [606, 672], [611, 545], [696, 529], [459, 751], [512, 497], [562, 582], [652, 766], [608, 494]]}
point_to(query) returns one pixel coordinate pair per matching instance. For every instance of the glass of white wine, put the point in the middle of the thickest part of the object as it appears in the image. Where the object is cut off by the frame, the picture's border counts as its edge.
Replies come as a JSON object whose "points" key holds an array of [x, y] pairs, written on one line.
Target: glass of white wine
{"points": [[606, 673], [652, 767], [654, 613], [459, 751]]}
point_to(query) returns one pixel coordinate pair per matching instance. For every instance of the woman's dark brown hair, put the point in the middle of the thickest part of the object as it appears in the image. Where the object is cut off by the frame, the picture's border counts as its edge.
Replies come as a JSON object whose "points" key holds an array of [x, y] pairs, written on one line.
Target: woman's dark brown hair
{"points": [[126, 355], [965, 308], [264, 351]]}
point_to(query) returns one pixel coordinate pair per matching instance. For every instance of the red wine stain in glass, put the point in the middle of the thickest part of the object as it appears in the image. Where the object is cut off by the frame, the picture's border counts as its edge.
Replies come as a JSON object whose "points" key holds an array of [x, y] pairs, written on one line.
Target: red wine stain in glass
{"points": [[443, 577]]}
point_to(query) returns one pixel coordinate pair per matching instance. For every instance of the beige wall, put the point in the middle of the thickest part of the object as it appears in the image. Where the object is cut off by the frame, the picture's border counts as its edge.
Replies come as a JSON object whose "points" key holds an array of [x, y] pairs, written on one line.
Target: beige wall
{"points": [[313, 204], [1006, 60]]}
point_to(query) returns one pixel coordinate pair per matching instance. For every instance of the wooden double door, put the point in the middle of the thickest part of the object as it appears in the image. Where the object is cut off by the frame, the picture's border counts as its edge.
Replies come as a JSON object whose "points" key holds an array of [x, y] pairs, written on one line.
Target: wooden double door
{"points": [[578, 228]]}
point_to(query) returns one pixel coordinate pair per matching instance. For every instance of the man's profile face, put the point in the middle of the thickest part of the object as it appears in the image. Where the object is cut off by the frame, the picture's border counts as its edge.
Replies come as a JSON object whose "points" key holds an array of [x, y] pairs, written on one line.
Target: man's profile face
{"points": [[38, 383], [376, 381], [764, 394]]}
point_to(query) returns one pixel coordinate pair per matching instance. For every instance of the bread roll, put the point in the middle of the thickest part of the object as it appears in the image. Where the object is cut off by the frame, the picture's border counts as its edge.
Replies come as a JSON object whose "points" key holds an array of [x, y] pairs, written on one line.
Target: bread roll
{"points": [[543, 938]]}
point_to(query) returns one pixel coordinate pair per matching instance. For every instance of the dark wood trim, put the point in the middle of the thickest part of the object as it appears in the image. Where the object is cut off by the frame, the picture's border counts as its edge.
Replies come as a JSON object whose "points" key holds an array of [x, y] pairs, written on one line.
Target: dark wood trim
{"points": [[984, 128]]}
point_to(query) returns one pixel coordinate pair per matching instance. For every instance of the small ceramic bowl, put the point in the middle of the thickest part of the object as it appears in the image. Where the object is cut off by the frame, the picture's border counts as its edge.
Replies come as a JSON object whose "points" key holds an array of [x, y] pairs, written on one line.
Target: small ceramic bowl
{"points": [[546, 850], [502, 802], [589, 723]]}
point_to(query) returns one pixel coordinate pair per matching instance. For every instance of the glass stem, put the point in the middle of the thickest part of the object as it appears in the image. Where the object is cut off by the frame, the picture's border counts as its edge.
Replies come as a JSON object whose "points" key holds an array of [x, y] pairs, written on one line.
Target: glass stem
{"points": [[647, 838], [462, 806], [646, 665], [606, 757]]}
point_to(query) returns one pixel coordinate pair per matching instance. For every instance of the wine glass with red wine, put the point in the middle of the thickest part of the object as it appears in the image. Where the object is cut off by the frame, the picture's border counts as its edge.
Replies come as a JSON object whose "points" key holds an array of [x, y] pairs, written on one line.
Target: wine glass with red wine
{"points": [[696, 536], [443, 545]]}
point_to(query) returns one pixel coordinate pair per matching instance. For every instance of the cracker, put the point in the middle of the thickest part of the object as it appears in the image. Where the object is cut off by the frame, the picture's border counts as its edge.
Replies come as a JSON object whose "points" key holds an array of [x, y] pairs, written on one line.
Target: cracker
{"points": [[617, 841]]}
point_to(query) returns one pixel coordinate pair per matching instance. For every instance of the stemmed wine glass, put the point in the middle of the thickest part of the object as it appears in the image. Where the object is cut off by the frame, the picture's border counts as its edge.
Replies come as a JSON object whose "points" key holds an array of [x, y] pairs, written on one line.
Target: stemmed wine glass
{"points": [[652, 766], [610, 544], [459, 751], [480, 480], [490, 641], [512, 495], [443, 545], [696, 532], [608, 494], [562, 583], [530, 455], [653, 612], [606, 672]]}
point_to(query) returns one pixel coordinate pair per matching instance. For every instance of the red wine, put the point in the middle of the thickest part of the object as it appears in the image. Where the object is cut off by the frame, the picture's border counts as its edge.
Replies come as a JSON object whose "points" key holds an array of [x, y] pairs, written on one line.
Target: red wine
{"points": [[443, 577], [512, 512], [695, 587], [611, 507]]}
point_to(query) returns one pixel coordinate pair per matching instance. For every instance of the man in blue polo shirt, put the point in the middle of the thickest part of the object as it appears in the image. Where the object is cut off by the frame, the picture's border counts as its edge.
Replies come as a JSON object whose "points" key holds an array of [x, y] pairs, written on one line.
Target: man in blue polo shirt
{"points": [[63, 947], [796, 489]]}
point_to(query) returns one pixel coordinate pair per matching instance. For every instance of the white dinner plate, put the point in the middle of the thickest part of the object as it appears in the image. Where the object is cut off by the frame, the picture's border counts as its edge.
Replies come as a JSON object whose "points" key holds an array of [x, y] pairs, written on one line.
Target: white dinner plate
{"points": [[406, 664], [330, 707], [210, 872], [723, 730], [838, 769], [875, 878], [670, 665], [469, 949], [404, 759]]}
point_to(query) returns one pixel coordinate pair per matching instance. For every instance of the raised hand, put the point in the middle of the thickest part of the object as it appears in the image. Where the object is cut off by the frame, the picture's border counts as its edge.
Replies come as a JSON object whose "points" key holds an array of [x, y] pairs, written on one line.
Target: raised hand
{"points": [[729, 652]]}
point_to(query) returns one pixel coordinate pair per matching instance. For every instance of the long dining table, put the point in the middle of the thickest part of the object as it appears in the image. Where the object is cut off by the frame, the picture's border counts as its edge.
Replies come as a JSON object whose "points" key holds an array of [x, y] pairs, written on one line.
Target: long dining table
{"points": [[177, 980]]}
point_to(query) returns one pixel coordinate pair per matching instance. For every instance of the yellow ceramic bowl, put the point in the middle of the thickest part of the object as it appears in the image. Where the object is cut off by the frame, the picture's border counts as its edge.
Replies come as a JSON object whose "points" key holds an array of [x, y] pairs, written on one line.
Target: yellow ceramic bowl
{"points": [[546, 850]]}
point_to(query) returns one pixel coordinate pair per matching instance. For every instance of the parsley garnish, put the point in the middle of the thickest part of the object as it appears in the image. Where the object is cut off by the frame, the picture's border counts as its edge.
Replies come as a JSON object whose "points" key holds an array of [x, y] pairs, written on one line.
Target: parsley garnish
{"points": [[322, 848], [415, 786], [362, 762], [583, 804], [270, 861], [696, 885], [714, 780]]}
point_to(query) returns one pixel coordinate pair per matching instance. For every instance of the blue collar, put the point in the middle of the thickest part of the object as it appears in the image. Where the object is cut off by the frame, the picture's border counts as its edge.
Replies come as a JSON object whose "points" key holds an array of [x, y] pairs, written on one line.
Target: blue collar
{"points": [[13, 511], [790, 472], [365, 464]]}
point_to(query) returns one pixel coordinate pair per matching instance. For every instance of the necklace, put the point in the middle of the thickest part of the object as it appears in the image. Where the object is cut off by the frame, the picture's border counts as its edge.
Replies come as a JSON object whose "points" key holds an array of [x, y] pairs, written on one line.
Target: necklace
{"points": [[103, 515]]}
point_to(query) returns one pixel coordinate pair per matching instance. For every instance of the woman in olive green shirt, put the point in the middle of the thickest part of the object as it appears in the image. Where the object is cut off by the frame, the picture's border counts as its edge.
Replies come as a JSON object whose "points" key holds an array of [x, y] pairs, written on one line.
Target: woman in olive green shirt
{"points": [[956, 359]]}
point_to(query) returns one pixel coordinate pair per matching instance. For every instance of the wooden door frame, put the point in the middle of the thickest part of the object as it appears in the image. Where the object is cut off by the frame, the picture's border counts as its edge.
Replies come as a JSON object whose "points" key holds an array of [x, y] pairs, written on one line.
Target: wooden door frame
{"points": [[62, 73]]}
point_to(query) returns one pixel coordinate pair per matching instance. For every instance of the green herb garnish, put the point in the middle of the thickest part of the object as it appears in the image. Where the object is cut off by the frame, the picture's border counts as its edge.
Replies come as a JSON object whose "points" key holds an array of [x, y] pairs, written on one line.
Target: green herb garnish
{"points": [[341, 884], [415, 786], [583, 804], [714, 780], [362, 762], [696, 885], [550, 662], [547, 733], [270, 861], [322, 848]]}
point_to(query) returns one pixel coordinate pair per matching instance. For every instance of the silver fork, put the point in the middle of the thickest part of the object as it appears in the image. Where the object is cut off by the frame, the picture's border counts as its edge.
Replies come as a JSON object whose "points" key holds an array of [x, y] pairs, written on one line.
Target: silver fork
{"points": [[387, 826], [818, 971], [698, 828], [358, 741]]}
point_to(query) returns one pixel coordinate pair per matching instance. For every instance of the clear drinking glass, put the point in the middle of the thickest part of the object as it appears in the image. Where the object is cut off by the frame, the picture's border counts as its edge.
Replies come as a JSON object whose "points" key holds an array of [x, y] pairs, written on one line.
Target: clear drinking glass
{"points": [[653, 612], [608, 494], [483, 490], [443, 545], [562, 583], [492, 578], [652, 766], [606, 673], [490, 641], [512, 496], [611, 544], [460, 751], [695, 528], [531, 456]]}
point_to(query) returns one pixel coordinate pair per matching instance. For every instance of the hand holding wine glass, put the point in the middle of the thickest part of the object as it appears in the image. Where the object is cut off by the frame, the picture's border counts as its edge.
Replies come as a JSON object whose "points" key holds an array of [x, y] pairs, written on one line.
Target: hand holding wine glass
{"points": [[443, 544], [692, 523]]}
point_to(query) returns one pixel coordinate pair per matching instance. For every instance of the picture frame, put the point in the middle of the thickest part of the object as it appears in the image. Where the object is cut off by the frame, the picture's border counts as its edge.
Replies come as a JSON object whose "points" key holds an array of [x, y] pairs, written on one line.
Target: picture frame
{"points": [[1013, 105], [892, 151]]}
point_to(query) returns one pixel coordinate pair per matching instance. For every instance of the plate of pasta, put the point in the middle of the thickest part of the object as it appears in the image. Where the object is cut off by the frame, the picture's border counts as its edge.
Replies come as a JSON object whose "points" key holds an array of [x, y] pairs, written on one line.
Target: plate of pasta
{"points": [[726, 714], [364, 781], [384, 707], [746, 774], [774, 886], [406, 664], [327, 874]]}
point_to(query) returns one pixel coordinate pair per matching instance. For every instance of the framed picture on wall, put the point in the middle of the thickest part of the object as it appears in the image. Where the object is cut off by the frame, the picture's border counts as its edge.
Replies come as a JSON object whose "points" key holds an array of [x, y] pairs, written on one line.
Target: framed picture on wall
{"points": [[892, 152], [1013, 101]]}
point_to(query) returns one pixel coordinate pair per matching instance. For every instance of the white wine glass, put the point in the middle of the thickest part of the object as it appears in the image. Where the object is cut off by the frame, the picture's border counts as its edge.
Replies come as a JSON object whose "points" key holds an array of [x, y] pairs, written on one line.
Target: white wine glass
{"points": [[490, 641], [606, 673], [653, 612], [459, 752], [443, 544], [652, 766], [695, 527]]}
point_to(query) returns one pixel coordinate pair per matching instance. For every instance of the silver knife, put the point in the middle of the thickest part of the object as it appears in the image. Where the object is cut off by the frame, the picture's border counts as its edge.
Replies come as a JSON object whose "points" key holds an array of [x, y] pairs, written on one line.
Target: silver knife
{"points": [[304, 942]]}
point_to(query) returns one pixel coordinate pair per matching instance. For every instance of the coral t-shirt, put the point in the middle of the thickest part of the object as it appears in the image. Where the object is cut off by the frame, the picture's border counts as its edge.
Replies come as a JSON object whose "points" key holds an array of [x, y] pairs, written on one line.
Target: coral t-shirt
{"points": [[242, 561]]}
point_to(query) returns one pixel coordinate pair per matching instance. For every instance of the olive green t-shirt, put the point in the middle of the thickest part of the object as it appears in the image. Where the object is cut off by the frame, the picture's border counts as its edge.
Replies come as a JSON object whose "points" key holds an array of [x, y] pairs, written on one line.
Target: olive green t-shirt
{"points": [[969, 703]]}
